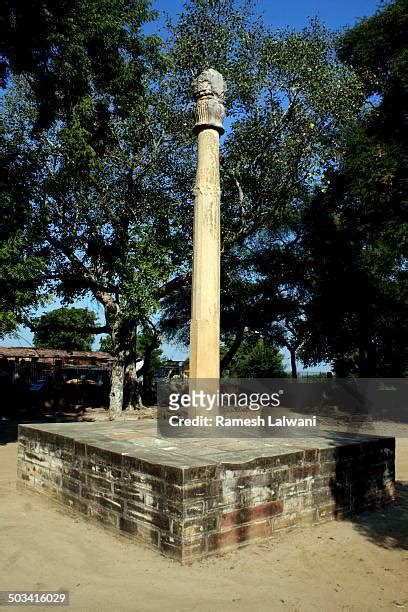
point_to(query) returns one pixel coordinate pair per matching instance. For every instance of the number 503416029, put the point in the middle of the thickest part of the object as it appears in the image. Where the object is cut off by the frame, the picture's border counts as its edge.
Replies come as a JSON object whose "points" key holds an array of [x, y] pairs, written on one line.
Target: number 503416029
{"points": [[32, 598]]}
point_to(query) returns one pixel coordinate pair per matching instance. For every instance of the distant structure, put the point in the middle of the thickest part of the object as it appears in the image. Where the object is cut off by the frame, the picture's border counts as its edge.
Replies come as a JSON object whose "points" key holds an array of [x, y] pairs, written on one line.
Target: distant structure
{"points": [[29, 364], [50, 356]]}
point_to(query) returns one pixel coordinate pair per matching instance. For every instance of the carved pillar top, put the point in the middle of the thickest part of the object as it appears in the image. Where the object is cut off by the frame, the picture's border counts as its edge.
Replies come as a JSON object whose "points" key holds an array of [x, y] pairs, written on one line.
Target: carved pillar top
{"points": [[208, 90]]}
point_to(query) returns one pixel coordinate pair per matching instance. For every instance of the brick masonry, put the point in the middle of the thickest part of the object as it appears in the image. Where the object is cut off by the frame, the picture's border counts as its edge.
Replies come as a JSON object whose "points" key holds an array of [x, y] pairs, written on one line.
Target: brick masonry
{"points": [[190, 502]]}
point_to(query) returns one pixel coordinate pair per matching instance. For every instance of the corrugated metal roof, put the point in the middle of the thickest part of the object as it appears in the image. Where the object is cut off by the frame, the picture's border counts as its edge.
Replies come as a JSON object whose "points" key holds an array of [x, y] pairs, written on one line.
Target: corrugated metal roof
{"points": [[21, 352]]}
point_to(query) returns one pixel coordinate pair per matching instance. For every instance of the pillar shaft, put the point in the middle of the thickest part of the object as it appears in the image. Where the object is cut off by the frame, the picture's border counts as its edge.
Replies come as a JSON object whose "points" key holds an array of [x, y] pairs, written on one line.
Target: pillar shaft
{"points": [[205, 304], [208, 90]]}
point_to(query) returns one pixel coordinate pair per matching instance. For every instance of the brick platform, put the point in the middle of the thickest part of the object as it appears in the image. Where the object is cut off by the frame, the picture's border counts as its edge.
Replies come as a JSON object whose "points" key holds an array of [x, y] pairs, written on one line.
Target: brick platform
{"points": [[190, 498]]}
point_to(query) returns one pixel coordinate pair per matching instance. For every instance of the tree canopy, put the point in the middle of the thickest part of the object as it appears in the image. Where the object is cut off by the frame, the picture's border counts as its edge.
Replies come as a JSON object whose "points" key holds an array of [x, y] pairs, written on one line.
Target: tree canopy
{"points": [[256, 358], [356, 232], [289, 98], [66, 50], [89, 155], [65, 329]]}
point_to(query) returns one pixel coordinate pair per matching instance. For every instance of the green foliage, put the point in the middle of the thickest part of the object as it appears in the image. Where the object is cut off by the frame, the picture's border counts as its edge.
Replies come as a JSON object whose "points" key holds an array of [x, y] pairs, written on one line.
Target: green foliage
{"points": [[19, 272], [21, 261], [90, 129], [288, 99], [69, 49], [105, 345], [257, 359], [356, 233], [65, 329], [377, 48], [92, 168]]}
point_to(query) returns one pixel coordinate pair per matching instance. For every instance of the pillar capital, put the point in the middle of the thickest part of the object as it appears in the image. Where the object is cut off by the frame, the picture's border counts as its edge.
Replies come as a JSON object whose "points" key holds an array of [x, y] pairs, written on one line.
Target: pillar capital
{"points": [[208, 90]]}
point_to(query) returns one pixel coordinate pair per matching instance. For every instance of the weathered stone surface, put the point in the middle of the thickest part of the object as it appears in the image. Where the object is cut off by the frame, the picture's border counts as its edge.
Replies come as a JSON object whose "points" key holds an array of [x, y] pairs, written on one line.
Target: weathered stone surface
{"points": [[210, 83], [191, 506], [249, 515], [208, 89]]}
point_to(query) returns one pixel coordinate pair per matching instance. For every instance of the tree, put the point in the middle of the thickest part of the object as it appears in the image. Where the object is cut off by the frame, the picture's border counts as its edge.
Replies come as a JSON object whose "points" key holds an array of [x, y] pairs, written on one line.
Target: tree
{"points": [[21, 261], [99, 196], [19, 273], [257, 358], [66, 49], [55, 57], [65, 329], [356, 232], [289, 98]]}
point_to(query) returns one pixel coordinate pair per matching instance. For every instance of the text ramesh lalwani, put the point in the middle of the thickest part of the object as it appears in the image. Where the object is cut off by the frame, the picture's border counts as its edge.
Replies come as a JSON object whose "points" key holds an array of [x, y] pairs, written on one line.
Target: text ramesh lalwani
{"points": [[257, 421]]}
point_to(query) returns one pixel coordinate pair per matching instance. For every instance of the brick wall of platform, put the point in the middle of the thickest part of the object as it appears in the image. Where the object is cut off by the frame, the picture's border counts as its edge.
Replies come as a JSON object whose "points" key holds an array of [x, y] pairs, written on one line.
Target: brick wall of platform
{"points": [[188, 513]]}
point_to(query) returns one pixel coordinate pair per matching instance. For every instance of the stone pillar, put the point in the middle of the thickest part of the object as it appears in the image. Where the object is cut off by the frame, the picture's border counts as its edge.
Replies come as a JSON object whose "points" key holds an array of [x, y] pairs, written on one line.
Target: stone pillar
{"points": [[208, 90]]}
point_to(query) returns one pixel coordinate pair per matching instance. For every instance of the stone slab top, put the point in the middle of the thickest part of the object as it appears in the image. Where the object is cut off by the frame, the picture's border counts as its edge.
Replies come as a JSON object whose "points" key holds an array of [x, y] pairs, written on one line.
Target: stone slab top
{"points": [[140, 440]]}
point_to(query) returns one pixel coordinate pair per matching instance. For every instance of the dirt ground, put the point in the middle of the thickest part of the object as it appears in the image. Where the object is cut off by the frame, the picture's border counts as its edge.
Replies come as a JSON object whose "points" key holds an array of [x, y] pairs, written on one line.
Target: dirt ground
{"points": [[357, 565]]}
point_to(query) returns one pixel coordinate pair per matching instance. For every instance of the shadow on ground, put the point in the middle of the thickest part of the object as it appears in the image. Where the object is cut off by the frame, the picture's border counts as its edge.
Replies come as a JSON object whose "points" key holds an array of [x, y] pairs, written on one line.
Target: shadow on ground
{"points": [[8, 432], [387, 526], [9, 425], [9, 428]]}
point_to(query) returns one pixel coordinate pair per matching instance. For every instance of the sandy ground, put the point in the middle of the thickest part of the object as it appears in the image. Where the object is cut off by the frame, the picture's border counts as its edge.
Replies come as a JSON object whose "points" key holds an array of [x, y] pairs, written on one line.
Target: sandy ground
{"points": [[351, 565]]}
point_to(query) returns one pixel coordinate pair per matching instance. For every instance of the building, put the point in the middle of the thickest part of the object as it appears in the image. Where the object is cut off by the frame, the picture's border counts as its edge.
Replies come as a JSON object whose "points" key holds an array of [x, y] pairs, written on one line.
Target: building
{"points": [[51, 356]]}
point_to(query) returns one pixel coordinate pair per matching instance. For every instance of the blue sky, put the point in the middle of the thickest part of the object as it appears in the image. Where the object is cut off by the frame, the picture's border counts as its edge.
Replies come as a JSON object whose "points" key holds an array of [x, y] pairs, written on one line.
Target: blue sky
{"points": [[335, 14], [295, 13]]}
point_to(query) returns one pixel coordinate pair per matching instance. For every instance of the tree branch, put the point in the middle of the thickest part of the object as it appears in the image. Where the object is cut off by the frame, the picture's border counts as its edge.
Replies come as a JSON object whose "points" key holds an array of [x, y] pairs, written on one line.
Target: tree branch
{"points": [[230, 354], [173, 284]]}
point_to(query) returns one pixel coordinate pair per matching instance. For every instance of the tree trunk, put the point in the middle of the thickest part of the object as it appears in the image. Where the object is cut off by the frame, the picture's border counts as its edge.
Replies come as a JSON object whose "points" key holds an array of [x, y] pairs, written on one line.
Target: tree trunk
{"points": [[123, 334], [124, 352], [232, 351], [146, 371], [363, 346], [371, 360], [132, 397], [118, 367], [117, 383], [293, 365]]}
